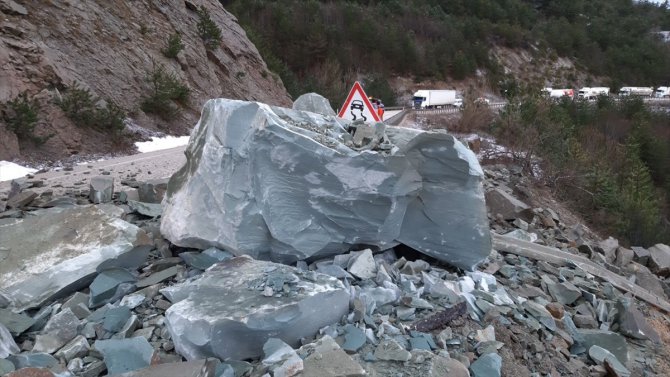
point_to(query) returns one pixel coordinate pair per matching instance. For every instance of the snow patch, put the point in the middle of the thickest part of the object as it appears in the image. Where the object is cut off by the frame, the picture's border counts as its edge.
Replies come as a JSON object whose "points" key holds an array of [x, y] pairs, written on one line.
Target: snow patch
{"points": [[159, 143], [10, 170]]}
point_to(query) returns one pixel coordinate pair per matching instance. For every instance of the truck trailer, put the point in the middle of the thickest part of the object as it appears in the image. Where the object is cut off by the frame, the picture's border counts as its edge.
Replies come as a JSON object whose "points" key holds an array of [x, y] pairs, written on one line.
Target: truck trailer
{"points": [[559, 93], [427, 99], [636, 91], [593, 93]]}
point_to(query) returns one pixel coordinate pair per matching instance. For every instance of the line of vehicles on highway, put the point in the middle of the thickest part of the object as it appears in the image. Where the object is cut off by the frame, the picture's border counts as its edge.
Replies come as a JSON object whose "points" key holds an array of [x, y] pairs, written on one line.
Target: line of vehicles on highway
{"points": [[431, 98]]}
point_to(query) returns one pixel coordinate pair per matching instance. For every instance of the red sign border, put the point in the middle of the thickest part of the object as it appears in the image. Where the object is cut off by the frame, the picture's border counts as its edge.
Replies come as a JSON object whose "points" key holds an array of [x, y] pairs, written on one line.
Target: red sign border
{"points": [[358, 87]]}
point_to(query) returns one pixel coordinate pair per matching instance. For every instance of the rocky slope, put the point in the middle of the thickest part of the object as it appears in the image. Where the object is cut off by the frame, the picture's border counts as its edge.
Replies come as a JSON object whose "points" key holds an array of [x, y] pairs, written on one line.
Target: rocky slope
{"points": [[108, 47]]}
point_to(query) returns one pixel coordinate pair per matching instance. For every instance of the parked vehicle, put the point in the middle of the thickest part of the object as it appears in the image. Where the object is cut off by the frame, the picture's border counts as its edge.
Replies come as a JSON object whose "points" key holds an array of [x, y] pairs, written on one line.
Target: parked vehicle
{"points": [[636, 91], [427, 99], [593, 93], [559, 93], [662, 92]]}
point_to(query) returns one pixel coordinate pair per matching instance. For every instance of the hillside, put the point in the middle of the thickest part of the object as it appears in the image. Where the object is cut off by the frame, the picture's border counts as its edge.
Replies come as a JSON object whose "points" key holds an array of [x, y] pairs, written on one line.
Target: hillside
{"points": [[95, 59], [324, 45]]}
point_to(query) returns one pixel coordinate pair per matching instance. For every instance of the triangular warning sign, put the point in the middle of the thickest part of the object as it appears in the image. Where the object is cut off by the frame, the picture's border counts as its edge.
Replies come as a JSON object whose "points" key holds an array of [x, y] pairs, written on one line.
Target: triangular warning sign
{"points": [[357, 106]]}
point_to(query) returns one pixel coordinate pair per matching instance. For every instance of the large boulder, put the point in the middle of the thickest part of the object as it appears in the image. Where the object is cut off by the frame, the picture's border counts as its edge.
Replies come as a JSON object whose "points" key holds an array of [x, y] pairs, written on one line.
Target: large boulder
{"points": [[315, 103], [53, 252], [232, 309], [287, 185]]}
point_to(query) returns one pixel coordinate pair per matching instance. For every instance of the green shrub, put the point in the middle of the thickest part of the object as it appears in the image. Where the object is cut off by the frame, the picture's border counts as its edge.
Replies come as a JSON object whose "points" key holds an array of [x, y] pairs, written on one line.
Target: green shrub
{"points": [[80, 106], [207, 29], [165, 88], [173, 47], [21, 115]]}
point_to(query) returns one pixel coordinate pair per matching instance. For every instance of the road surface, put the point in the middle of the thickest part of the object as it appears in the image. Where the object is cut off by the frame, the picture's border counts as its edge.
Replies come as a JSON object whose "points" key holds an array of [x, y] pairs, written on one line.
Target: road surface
{"points": [[142, 167]]}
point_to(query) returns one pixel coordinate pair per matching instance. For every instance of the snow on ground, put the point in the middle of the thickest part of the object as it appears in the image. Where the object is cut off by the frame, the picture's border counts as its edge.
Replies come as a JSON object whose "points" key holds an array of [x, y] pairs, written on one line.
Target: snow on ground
{"points": [[159, 143], [10, 170]]}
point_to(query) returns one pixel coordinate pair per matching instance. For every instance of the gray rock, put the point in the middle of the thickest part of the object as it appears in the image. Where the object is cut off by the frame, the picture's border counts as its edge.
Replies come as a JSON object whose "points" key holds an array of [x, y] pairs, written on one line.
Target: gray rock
{"points": [[125, 355], [101, 189], [234, 319], [61, 261], [647, 279], [152, 191], [500, 202], [599, 355], [632, 322], [281, 359], [488, 365], [540, 313], [585, 321], [6, 366], [608, 247], [565, 293], [21, 199], [198, 368], [354, 338], [78, 304], [389, 349], [363, 265], [198, 260], [12, 7], [16, 323], [640, 255], [303, 193], [314, 103], [326, 359], [130, 260], [115, 318], [106, 285], [94, 369], [608, 340], [77, 347], [7, 344], [624, 256], [159, 276], [659, 259], [61, 328], [146, 209], [33, 359]]}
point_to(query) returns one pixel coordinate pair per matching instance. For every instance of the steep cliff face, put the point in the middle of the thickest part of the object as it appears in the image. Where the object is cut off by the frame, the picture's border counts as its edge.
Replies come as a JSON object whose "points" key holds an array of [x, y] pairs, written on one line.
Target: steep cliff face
{"points": [[109, 47]]}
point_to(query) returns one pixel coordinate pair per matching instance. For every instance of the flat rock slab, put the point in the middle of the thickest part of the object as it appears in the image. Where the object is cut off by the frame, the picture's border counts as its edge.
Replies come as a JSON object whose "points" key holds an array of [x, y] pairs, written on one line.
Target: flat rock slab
{"points": [[226, 313], [125, 355], [287, 185], [56, 251]]}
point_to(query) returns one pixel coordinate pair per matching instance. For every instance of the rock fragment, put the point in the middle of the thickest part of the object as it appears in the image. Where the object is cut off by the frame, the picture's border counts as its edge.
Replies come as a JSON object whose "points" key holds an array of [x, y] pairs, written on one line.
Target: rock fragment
{"points": [[101, 189], [659, 259], [389, 349], [21, 199], [488, 365], [601, 355], [224, 313], [326, 359], [363, 265], [125, 355], [281, 359], [60, 329], [500, 202], [198, 368], [314, 103], [108, 285], [7, 344]]}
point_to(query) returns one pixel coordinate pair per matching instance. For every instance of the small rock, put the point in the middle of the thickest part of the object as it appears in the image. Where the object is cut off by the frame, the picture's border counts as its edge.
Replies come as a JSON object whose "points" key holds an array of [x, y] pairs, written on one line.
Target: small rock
{"points": [[77, 347], [74, 304], [486, 335], [21, 199], [146, 209], [159, 276], [326, 359], [632, 322], [565, 293], [540, 313], [6, 366], [556, 310], [363, 265], [7, 344], [60, 329], [105, 286], [115, 318], [600, 355], [354, 338], [199, 368], [585, 321], [101, 189], [281, 359], [640, 255], [125, 355], [659, 259], [33, 359], [488, 365], [389, 349]]}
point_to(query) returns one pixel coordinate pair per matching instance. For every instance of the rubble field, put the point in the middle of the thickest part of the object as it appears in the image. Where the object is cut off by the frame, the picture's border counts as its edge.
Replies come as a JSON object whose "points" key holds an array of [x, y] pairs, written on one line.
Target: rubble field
{"points": [[193, 276]]}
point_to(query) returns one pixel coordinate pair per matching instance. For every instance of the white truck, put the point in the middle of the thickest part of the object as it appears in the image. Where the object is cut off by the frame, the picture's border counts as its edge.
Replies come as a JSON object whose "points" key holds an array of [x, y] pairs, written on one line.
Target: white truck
{"points": [[662, 92], [593, 93], [427, 99], [636, 91], [559, 93]]}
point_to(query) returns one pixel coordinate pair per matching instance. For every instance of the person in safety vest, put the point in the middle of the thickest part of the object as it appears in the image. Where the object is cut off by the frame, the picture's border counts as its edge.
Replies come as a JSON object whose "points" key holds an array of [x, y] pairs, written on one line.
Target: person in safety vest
{"points": [[380, 110]]}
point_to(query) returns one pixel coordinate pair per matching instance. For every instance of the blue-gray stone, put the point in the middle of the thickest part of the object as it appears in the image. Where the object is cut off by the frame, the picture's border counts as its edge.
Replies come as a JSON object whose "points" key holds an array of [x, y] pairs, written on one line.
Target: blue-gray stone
{"points": [[125, 355], [158, 277], [488, 365], [115, 318], [599, 355], [131, 260], [613, 342], [419, 344], [288, 185], [6, 366], [105, 285], [33, 359], [314, 103], [16, 323], [354, 338], [146, 209], [198, 259], [7, 344], [219, 255]]}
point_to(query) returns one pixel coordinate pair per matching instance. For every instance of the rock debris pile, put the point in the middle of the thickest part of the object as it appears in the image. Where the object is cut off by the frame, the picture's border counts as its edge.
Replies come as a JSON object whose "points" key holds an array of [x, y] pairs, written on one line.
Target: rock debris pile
{"points": [[97, 289]]}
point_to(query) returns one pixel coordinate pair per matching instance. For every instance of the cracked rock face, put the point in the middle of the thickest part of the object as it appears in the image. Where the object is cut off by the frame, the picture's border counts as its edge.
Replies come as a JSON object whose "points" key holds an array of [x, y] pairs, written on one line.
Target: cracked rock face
{"points": [[285, 185], [232, 309]]}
